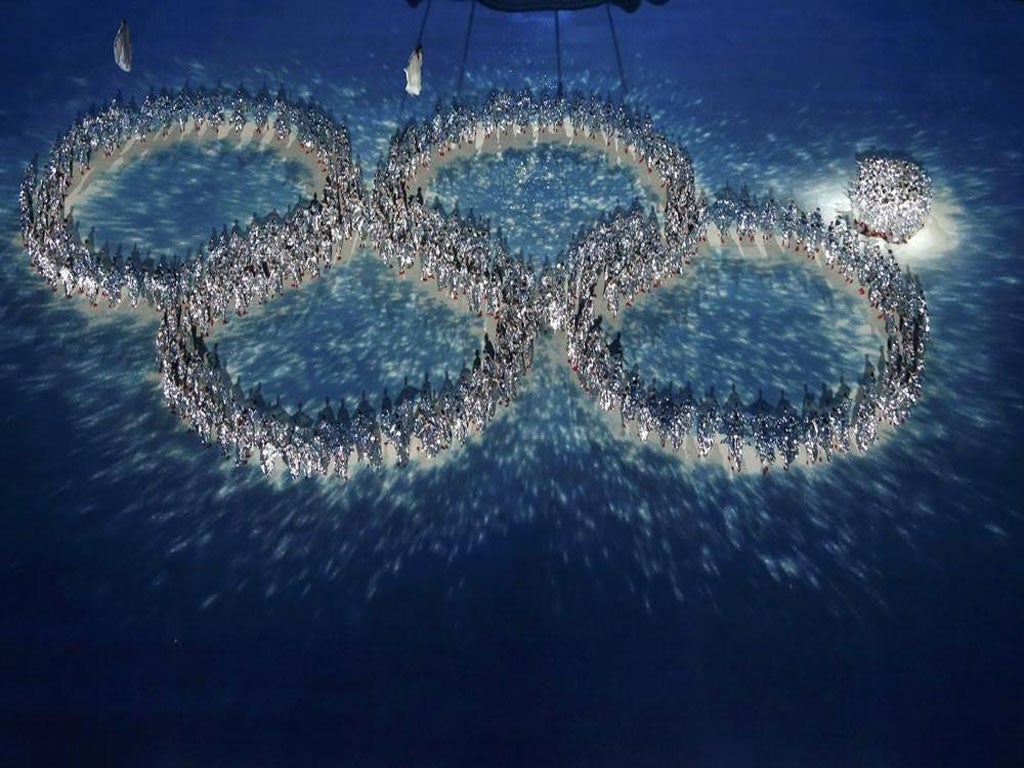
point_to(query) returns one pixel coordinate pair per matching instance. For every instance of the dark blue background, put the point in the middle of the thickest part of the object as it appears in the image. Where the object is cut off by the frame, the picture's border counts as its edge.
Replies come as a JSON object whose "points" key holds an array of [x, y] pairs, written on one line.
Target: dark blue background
{"points": [[551, 594]]}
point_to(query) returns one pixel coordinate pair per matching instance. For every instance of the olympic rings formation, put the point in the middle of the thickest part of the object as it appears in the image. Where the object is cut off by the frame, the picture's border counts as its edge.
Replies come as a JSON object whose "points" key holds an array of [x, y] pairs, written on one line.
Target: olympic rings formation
{"points": [[64, 260], [625, 253], [832, 423]]}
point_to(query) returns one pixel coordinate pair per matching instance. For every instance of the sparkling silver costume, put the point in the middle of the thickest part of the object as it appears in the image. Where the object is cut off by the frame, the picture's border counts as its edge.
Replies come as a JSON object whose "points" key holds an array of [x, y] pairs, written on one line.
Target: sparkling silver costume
{"points": [[625, 253]]}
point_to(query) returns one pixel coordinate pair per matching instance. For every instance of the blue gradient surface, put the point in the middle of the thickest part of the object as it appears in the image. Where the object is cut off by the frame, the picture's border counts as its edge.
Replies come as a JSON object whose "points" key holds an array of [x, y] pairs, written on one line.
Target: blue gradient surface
{"points": [[552, 593]]}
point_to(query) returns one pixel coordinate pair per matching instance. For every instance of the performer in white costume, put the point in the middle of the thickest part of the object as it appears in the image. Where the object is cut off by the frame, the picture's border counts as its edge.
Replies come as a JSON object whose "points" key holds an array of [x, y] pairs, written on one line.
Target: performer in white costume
{"points": [[414, 72], [123, 47]]}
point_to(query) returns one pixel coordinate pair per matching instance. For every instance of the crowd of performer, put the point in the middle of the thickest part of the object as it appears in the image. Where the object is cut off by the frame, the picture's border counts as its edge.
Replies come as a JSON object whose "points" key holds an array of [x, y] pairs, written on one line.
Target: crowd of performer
{"points": [[891, 196], [823, 424], [625, 253], [290, 246]]}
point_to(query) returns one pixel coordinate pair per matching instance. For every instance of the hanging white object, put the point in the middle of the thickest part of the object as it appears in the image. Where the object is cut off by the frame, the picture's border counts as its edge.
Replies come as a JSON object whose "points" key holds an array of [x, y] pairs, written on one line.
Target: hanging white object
{"points": [[414, 72], [123, 47]]}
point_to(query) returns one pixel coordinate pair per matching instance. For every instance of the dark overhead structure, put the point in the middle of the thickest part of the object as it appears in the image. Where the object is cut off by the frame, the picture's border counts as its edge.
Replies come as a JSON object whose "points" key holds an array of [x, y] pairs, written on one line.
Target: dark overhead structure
{"points": [[541, 6], [521, 6]]}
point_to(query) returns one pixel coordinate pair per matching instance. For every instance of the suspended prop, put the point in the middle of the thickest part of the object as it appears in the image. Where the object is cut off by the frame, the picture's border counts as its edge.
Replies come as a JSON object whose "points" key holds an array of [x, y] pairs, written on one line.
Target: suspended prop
{"points": [[414, 72], [123, 47]]}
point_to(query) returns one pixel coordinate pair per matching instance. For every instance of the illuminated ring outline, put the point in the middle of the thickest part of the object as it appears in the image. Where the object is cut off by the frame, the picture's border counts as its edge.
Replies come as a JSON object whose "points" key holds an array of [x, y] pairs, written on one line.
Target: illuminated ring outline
{"points": [[835, 423], [194, 296]]}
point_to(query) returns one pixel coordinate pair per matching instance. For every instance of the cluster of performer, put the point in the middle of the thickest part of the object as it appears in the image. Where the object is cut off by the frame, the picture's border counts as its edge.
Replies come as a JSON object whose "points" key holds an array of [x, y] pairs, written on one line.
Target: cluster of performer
{"points": [[283, 248], [426, 418], [822, 425], [514, 115], [891, 196], [625, 253]]}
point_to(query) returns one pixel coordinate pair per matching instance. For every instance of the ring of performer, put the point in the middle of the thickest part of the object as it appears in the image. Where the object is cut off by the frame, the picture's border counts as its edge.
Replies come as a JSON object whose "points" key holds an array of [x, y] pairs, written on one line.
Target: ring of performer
{"points": [[624, 250], [122, 130], [623, 254]]}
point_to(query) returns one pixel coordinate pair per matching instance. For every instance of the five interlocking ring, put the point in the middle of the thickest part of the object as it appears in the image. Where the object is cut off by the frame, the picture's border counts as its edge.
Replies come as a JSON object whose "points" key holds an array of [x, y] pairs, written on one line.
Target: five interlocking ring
{"points": [[625, 253]]}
